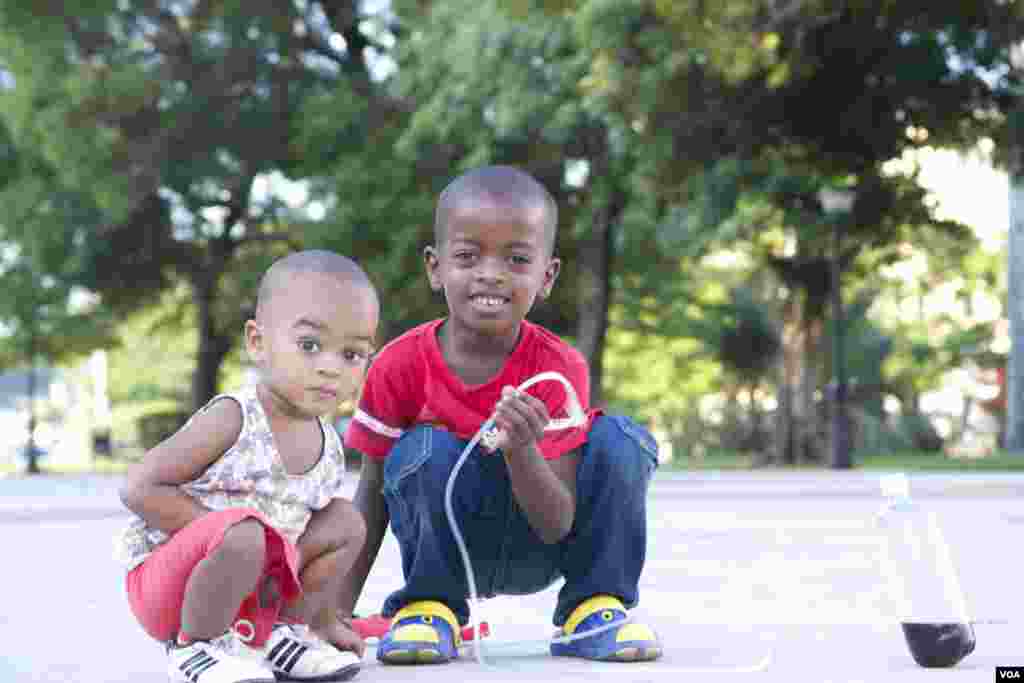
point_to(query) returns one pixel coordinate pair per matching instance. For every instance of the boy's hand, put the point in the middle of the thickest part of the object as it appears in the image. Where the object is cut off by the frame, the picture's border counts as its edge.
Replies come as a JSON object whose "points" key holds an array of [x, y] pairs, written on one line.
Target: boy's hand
{"points": [[340, 633], [521, 419]]}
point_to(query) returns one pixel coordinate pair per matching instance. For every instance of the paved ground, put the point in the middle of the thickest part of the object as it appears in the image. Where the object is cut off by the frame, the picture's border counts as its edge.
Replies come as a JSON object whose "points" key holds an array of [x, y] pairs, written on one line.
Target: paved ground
{"points": [[767, 577]]}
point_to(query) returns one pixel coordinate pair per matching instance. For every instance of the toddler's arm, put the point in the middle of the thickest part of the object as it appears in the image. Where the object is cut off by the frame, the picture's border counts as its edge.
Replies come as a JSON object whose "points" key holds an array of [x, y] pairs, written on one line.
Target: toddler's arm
{"points": [[152, 487], [331, 542], [369, 501]]}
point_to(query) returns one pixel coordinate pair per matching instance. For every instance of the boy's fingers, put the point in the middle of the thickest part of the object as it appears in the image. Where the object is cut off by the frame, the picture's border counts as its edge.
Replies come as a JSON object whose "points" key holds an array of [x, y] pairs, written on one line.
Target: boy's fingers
{"points": [[534, 411], [539, 407], [506, 417], [511, 396], [521, 415]]}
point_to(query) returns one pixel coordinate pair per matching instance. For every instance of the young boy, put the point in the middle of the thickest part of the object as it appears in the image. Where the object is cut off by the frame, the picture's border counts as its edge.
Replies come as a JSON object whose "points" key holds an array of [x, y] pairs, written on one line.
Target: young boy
{"points": [[567, 503], [241, 536]]}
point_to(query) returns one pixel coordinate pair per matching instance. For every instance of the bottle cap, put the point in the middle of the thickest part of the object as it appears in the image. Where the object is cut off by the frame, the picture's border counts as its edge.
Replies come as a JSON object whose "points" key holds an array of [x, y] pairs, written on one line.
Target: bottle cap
{"points": [[895, 485]]}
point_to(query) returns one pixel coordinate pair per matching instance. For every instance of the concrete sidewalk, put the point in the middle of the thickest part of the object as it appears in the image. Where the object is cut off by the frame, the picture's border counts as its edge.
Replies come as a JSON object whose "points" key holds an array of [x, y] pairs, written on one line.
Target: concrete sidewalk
{"points": [[84, 497], [95, 496], [747, 575]]}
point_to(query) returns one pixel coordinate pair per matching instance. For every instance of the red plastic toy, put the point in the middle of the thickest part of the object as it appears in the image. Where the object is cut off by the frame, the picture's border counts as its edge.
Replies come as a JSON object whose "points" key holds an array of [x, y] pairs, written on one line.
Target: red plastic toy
{"points": [[375, 626]]}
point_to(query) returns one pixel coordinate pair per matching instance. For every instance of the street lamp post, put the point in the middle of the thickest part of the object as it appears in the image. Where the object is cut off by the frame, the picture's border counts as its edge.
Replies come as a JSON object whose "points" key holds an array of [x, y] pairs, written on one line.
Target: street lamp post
{"points": [[837, 205]]}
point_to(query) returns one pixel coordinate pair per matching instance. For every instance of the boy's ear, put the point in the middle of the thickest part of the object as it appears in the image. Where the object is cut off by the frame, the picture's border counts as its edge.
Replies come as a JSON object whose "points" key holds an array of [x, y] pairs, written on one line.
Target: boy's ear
{"points": [[430, 260], [550, 275], [254, 341]]}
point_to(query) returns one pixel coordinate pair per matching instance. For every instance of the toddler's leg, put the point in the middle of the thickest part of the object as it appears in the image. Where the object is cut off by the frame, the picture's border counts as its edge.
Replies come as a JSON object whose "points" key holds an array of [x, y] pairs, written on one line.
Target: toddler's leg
{"points": [[191, 589], [327, 550], [192, 563], [220, 582]]}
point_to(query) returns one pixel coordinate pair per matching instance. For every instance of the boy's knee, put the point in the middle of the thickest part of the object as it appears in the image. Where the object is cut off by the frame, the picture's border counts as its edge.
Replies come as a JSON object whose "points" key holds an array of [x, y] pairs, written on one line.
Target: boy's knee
{"points": [[247, 538], [622, 447], [422, 451]]}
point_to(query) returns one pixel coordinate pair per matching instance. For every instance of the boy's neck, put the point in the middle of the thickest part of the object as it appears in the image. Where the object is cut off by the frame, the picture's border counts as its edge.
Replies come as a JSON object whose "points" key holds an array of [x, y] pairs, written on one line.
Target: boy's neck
{"points": [[475, 358]]}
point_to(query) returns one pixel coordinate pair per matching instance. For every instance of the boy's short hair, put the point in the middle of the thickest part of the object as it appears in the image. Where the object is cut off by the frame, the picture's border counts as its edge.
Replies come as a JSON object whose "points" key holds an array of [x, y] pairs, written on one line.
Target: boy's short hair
{"points": [[309, 261], [498, 183]]}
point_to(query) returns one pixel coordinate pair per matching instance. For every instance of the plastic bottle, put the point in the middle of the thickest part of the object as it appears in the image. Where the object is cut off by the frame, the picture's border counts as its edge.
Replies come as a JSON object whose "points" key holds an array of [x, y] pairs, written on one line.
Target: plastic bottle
{"points": [[933, 617]]}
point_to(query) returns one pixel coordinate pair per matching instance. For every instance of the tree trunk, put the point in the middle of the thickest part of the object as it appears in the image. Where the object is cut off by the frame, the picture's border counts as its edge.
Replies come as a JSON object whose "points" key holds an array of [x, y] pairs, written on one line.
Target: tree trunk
{"points": [[806, 437], [753, 419], [213, 347], [31, 455], [595, 267], [1015, 312], [782, 444], [786, 425], [1014, 440]]}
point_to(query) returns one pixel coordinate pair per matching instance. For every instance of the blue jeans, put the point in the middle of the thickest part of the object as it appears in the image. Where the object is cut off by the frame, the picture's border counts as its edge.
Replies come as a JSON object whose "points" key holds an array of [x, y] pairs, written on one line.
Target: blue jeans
{"points": [[602, 554]]}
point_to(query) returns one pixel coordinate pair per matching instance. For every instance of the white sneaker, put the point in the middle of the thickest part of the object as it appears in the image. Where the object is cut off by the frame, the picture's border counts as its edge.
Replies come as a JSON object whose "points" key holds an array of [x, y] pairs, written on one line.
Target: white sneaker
{"points": [[221, 660], [297, 654]]}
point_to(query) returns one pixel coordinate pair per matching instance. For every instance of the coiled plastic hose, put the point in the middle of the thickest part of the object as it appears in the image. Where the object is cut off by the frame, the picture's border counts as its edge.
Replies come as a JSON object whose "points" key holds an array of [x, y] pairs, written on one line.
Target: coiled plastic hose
{"points": [[575, 418]]}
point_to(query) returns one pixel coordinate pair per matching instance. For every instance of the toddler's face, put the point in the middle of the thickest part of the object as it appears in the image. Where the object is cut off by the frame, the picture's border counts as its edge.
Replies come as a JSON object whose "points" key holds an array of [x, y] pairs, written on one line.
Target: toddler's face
{"points": [[492, 263], [314, 342]]}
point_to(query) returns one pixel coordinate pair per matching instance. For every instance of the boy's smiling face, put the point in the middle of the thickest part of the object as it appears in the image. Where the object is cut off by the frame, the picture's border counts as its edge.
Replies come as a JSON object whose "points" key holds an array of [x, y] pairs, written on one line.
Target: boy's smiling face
{"points": [[492, 260]]}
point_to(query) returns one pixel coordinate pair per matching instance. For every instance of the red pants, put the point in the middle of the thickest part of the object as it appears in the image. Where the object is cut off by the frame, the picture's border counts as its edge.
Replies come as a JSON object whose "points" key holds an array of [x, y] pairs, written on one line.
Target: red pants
{"points": [[156, 588]]}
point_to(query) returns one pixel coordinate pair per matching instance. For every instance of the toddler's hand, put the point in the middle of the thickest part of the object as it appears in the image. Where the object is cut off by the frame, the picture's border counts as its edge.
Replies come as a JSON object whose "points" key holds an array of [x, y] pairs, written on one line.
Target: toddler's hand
{"points": [[342, 636], [521, 419]]}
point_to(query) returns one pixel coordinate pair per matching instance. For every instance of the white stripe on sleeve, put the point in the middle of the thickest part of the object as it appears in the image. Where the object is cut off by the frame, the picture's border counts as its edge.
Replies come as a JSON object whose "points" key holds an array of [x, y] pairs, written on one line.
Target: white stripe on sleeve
{"points": [[375, 425]]}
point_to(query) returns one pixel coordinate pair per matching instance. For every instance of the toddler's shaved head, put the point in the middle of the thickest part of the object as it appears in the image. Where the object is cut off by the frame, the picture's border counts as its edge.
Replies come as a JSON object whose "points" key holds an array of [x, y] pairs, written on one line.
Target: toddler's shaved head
{"points": [[310, 261]]}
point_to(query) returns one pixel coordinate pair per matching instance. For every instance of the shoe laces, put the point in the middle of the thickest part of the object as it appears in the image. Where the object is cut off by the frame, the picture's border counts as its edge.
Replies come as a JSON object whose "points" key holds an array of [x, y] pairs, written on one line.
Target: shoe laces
{"points": [[302, 632], [237, 641]]}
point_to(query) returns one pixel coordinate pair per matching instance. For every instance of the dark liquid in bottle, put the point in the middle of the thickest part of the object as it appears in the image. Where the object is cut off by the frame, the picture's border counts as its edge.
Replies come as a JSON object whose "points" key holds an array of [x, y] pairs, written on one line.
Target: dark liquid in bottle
{"points": [[939, 645]]}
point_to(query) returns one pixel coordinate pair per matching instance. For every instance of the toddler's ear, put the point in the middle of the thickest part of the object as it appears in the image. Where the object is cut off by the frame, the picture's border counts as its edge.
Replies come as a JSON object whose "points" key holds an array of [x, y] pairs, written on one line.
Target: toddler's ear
{"points": [[253, 341]]}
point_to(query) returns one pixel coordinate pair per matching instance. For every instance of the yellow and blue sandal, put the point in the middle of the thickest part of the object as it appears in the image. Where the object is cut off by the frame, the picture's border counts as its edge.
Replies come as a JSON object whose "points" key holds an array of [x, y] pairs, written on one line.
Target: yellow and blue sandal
{"points": [[424, 632], [630, 642]]}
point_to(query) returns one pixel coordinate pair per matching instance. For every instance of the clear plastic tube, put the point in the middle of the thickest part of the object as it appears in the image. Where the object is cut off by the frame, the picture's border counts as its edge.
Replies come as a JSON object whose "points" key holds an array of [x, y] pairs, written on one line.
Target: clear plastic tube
{"points": [[576, 417]]}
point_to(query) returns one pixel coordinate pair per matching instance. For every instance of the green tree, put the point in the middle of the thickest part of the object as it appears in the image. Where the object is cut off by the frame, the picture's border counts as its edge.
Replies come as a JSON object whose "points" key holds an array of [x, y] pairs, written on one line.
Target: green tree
{"points": [[41, 324], [1014, 161], [655, 100], [45, 317], [478, 85], [168, 116], [667, 130], [748, 102]]}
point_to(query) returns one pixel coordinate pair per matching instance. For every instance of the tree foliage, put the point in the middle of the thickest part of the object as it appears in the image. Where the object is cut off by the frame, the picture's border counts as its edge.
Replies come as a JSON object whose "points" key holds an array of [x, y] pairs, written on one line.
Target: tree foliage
{"points": [[670, 132], [165, 114]]}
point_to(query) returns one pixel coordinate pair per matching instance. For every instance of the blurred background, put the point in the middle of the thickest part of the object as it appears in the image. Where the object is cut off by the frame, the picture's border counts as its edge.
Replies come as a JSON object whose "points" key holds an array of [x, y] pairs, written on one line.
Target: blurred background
{"points": [[785, 224]]}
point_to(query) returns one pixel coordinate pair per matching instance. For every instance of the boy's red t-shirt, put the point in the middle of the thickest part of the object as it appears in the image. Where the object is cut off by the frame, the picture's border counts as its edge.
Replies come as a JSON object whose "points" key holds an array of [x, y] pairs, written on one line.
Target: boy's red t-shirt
{"points": [[409, 383]]}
